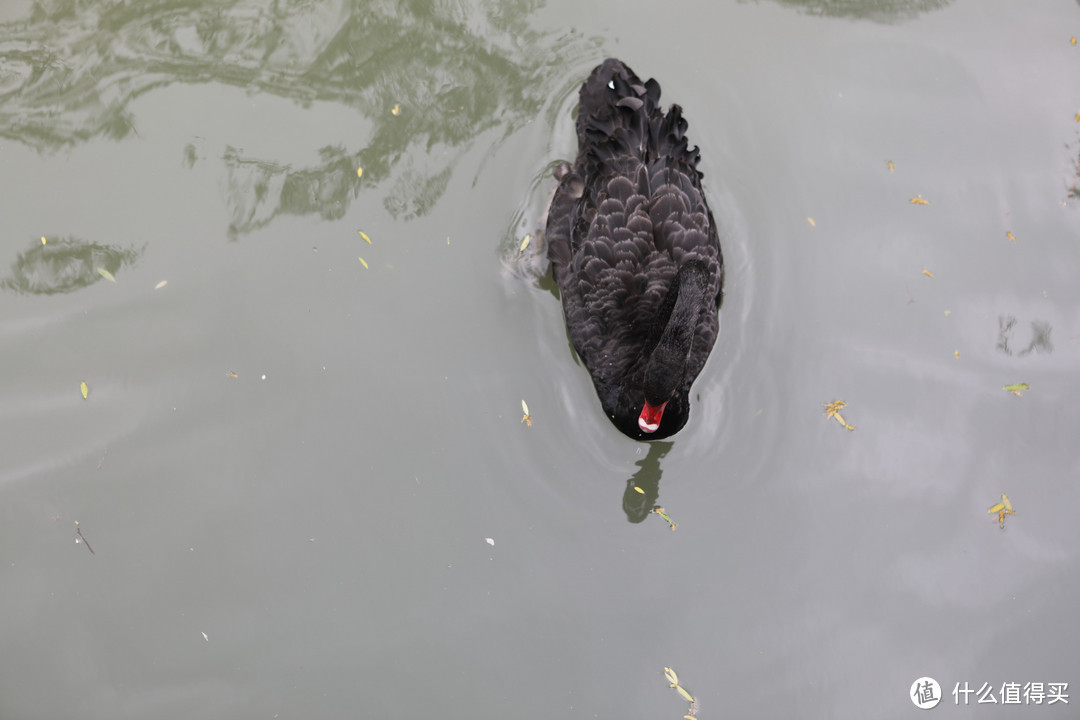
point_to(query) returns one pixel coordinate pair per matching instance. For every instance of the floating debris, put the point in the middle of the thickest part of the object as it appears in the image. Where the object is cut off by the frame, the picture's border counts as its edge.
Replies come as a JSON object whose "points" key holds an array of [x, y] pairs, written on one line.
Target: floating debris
{"points": [[919, 200], [1002, 509], [79, 537], [673, 681], [667, 518], [43, 241], [206, 637], [359, 172], [1015, 388], [833, 410], [364, 235], [927, 273], [363, 262], [527, 418], [811, 221], [525, 242], [85, 390], [956, 354], [638, 490], [891, 166], [1012, 238], [231, 374], [489, 541], [396, 110], [161, 284], [106, 274]]}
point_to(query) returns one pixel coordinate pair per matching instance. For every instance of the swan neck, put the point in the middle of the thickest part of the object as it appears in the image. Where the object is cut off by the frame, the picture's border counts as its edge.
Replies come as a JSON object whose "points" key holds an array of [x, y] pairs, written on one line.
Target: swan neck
{"points": [[690, 288]]}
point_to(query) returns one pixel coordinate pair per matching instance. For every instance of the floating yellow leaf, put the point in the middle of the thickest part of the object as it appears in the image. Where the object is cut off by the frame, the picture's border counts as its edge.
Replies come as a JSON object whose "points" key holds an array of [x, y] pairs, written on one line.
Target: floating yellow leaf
{"points": [[364, 236], [1001, 519], [395, 110], [811, 221], [360, 172], [106, 274], [682, 691], [919, 200], [1011, 237], [997, 508], [891, 166], [85, 391], [956, 354], [527, 419], [524, 407], [525, 243], [161, 284], [638, 490], [948, 313], [832, 410], [232, 375], [43, 240], [671, 676], [1005, 501], [363, 262], [927, 273]]}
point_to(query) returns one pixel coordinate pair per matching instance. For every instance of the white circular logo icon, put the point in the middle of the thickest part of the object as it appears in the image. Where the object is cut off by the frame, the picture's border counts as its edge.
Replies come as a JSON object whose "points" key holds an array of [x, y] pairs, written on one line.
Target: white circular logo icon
{"points": [[925, 693]]}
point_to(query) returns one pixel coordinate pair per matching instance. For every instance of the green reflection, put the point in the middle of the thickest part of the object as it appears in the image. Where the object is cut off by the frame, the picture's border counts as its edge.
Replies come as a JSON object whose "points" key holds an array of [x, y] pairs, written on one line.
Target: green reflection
{"points": [[638, 505], [65, 265], [883, 11], [455, 70]]}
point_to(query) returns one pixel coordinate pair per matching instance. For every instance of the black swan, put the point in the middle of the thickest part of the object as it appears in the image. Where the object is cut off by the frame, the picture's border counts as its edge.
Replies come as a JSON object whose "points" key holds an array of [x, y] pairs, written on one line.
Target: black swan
{"points": [[635, 253]]}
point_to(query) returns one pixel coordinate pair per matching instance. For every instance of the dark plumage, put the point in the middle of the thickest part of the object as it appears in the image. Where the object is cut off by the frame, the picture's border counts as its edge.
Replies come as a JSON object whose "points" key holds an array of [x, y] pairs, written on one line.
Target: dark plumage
{"points": [[635, 253]]}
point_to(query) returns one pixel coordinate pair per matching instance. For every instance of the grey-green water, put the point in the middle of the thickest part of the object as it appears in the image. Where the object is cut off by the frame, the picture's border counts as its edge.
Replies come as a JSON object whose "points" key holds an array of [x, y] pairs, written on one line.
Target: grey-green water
{"points": [[323, 517]]}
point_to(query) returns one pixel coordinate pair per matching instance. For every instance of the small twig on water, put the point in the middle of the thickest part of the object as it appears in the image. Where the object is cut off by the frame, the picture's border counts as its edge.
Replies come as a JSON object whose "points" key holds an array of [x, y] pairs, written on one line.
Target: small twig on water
{"points": [[79, 536]]}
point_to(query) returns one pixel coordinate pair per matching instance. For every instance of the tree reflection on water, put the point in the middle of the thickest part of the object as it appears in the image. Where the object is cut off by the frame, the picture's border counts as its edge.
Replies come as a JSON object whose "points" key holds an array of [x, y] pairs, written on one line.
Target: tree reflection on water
{"points": [[71, 69]]}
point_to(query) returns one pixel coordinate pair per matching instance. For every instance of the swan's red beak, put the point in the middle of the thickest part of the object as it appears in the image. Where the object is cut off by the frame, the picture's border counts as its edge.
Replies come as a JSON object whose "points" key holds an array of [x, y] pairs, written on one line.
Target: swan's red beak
{"points": [[649, 420]]}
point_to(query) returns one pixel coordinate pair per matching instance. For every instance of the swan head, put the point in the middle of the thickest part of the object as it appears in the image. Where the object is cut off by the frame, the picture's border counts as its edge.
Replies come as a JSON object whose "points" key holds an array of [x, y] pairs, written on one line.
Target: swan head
{"points": [[641, 420]]}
